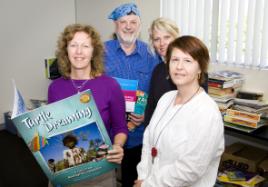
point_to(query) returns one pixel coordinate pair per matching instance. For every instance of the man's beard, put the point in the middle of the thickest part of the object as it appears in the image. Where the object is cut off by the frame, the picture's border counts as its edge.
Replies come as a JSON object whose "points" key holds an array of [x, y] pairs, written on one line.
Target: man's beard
{"points": [[127, 40]]}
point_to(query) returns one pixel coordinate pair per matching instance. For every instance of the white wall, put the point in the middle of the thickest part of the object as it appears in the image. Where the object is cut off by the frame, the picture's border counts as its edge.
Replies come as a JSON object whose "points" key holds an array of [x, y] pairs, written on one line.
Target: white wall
{"points": [[96, 14], [29, 31]]}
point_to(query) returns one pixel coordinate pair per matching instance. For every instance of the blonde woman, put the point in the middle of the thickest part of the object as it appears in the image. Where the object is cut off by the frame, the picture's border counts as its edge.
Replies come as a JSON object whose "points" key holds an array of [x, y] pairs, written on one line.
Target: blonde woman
{"points": [[162, 32]]}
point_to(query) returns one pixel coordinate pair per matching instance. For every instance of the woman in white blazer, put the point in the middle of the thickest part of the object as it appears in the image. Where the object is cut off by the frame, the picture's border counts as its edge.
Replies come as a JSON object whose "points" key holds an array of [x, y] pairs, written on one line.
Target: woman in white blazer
{"points": [[184, 141]]}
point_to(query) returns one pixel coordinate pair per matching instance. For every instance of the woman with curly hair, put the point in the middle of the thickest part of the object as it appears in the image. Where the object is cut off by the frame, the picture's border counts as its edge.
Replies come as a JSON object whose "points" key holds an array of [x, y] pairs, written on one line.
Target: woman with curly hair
{"points": [[80, 60]]}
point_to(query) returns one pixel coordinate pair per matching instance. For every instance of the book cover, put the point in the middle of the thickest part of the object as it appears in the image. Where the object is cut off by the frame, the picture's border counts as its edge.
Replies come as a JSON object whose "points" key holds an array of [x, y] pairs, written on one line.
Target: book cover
{"points": [[139, 109], [129, 88], [236, 175], [67, 138], [141, 102]]}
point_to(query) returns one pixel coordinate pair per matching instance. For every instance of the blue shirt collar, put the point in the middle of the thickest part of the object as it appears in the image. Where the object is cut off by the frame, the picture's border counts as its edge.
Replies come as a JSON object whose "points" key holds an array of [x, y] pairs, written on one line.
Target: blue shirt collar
{"points": [[137, 49]]}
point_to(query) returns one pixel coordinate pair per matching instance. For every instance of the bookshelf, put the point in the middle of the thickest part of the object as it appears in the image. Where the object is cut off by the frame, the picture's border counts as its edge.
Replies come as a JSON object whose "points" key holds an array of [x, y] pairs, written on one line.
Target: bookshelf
{"points": [[259, 136]]}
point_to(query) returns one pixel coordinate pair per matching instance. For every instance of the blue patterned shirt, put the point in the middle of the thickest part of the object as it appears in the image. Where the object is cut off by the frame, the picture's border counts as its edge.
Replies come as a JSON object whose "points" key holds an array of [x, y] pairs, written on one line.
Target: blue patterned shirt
{"points": [[136, 66]]}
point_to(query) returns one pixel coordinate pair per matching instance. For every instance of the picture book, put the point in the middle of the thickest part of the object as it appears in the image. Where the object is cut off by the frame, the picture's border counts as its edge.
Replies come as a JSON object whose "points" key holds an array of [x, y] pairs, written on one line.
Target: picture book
{"points": [[136, 100], [67, 138], [129, 88]]}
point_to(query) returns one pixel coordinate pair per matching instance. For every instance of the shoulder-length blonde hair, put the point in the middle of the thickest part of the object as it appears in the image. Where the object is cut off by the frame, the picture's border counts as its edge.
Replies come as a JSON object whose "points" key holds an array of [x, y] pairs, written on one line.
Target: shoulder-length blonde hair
{"points": [[97, 67], [163, 24]]}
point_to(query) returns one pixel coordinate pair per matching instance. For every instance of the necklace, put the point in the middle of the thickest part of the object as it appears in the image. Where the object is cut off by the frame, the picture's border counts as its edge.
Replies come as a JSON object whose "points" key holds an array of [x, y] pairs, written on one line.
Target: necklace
{"points": [[79, 87], [154, 150]]}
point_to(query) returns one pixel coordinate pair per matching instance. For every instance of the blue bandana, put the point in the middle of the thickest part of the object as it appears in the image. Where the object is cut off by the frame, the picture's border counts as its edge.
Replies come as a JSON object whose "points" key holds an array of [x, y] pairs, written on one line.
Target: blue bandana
{"points": [[124, 10]]}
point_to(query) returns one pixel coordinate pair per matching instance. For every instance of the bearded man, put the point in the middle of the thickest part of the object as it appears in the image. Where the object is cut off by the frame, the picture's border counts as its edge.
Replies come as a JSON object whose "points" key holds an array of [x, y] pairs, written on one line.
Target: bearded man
{"points": [[128, 57]]}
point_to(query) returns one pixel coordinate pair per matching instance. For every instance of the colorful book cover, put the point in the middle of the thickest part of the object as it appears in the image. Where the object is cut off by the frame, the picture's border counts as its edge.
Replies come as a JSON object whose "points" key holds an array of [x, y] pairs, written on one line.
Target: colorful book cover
{"points": [[139, 109], [236, 175], [129, 88], [250, 183], [67, 138], [141, 102]]}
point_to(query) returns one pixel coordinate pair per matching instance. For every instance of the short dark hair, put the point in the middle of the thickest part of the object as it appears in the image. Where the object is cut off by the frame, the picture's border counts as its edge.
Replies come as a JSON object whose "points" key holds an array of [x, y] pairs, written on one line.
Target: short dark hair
{"points": [[194, 47]]}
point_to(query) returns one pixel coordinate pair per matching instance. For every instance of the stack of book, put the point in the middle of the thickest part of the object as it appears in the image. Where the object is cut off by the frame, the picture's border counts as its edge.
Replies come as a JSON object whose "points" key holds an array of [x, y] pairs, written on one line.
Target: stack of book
{"points": [[244, 121], [254, 106], [223, 87], [224, 104]]}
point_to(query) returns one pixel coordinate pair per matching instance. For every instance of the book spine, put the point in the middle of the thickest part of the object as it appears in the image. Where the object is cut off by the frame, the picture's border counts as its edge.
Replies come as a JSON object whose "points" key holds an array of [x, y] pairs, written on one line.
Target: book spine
{"points": [[214, 84], [220, 91], [222, 83], [246, 115], [240, 121], [216, 81]]}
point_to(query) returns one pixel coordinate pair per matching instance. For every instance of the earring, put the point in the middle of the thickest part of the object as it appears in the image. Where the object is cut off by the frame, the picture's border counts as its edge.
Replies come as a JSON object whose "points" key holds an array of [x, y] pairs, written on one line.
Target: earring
{"points": [[199, 76]]}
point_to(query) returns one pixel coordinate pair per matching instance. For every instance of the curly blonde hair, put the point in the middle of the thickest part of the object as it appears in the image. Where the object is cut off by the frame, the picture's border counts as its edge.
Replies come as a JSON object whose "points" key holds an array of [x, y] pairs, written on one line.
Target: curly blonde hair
{"points": [[64, 64]]}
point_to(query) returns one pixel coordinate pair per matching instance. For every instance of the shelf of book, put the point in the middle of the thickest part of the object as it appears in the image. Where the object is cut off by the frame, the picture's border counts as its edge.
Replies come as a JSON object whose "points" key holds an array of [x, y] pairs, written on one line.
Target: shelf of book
{"points": [[259, 135], [240, 127]]}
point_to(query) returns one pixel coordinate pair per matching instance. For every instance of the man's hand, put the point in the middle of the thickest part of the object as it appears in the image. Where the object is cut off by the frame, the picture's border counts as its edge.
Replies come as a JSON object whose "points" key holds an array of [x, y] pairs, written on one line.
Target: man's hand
{"points": [[136, 119]]}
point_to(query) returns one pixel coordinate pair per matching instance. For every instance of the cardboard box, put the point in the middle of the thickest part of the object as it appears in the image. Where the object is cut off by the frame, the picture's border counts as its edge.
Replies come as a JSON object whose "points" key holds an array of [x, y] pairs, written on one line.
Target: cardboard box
{"points": [[263, 168], [242, 157]]}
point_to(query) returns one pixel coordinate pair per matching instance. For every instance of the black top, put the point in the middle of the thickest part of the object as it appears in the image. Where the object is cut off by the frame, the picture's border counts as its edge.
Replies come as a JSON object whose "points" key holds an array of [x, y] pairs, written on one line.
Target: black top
{"points": [[160, 84]]}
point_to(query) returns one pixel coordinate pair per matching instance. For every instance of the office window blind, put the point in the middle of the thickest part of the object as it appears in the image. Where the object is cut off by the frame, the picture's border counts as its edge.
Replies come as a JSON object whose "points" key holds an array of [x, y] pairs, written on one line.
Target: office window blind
{"points": [[235, 31]]}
